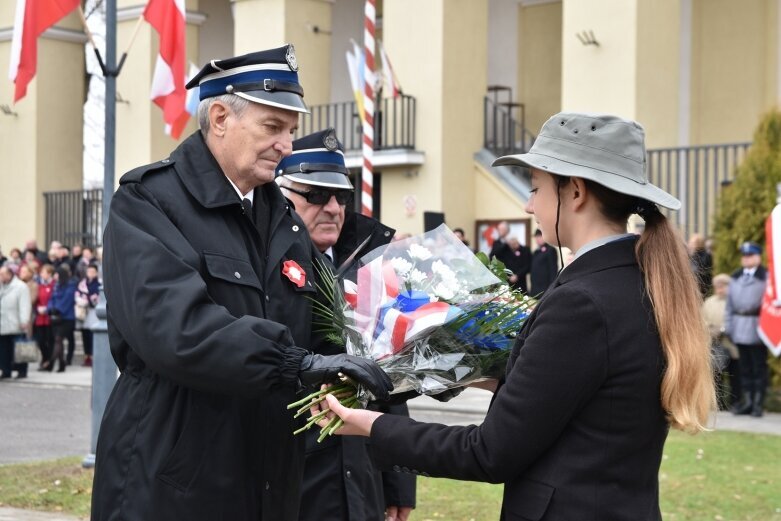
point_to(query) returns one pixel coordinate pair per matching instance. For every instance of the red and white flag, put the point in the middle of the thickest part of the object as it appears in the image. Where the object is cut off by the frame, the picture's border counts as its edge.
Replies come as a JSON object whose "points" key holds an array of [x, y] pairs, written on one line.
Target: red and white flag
{"points": [[33, 17], [769, 327], [168, 92]]}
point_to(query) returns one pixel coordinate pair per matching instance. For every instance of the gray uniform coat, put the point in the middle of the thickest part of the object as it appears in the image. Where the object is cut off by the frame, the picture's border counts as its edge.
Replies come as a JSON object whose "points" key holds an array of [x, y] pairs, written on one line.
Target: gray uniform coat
{"points": [[741, 314]]}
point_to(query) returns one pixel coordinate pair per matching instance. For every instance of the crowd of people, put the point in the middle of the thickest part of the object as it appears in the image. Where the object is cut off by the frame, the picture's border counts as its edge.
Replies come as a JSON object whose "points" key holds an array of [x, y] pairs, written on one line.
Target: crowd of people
{"points": [[731, 310], [48, 297]]}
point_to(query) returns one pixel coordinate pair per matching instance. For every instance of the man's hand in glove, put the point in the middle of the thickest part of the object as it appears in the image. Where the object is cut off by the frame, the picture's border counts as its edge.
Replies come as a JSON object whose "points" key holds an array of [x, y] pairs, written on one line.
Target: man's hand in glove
{"points": [[318, 369]]}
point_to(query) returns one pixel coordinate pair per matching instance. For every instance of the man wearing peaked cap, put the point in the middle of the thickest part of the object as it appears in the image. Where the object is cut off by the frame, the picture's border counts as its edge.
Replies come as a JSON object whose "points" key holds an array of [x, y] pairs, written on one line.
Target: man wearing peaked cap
{"points": [[741, 317], [208, 274], [315, 180]]}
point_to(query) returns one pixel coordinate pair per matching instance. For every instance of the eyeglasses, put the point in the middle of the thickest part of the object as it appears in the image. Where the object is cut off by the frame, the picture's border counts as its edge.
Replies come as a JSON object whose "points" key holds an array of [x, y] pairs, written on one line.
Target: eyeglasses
{"points": [[320, 197]]}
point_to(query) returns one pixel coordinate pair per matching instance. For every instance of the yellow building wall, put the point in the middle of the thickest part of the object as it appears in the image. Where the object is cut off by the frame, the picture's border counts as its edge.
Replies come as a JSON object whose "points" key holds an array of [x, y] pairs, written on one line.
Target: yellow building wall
{"points": [[600, 78], [265, 24], [658, 73], [493, 200], [423, 79], [40, 146], [734, 68], [448, 87], [539, 67]]}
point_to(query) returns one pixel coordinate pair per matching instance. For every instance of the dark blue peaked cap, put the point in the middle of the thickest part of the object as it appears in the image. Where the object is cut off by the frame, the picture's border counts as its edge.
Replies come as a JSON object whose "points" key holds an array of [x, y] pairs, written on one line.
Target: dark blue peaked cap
{"points": [[750, 248], [318, 160], [268, 77]]}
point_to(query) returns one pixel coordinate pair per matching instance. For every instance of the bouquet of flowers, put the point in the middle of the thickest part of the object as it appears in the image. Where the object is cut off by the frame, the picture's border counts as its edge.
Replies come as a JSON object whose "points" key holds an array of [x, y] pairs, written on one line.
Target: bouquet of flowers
{"points": [[431, 313]]}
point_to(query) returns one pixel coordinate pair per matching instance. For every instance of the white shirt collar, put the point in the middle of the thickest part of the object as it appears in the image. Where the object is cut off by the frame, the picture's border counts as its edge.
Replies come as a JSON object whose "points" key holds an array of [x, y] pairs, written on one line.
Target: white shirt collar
{"points": [[601, 242], [749, 271], [249, 195]]}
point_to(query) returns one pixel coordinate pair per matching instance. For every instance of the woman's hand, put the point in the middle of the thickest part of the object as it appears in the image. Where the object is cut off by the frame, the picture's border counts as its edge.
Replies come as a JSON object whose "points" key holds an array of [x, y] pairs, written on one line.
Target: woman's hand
{"points": [[357, 422]]}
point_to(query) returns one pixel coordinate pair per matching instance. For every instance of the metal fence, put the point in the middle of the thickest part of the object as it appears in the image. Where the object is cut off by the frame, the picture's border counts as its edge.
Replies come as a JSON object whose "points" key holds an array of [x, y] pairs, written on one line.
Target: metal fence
{"points": [[394, 123], [74, 216], [695, 175], [503, 134]]}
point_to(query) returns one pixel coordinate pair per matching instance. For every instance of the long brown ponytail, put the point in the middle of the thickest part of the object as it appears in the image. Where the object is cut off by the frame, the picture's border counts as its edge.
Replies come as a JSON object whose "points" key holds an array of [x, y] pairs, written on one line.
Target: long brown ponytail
{"points": [[688, 394]]}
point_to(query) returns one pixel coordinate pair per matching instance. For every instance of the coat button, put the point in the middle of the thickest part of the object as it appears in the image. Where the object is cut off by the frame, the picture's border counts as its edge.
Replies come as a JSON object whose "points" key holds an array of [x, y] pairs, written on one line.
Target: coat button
{"points": [[396, 468], [404, 469], [348, 474], [237, 274], [268, 485], [387, 233], [295, 227], [268, 299]]}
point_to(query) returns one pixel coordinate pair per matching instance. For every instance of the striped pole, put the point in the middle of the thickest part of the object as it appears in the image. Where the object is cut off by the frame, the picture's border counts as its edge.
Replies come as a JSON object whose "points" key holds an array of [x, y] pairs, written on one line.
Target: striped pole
{"points": [[368, 108]]}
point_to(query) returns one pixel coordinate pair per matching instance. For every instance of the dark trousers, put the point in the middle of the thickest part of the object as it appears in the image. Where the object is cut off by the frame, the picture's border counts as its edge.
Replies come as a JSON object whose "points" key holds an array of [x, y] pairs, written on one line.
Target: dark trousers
{"points": [[63, 331], [753, 368], [7, 354], [44, 337], [732, 371], [86, 340]]}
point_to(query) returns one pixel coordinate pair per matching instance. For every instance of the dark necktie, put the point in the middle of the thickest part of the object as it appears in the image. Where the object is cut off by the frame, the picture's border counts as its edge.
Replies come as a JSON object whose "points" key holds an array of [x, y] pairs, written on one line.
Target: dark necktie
{"points": [[246, 204]]}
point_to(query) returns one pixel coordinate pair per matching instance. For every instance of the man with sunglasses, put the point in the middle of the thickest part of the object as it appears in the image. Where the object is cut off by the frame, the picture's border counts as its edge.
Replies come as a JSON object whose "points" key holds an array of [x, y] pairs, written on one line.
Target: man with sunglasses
{"points": [[340, 482]]}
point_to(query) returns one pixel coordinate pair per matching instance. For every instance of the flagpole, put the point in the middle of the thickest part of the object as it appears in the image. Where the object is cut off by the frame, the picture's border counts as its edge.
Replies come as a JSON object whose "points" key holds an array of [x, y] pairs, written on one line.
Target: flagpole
{"points": [[104, 370], [367, 172]]}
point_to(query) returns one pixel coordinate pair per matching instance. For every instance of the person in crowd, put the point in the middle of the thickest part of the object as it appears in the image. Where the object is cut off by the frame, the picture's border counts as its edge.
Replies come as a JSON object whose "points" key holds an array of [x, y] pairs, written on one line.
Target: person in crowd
{"points": [[87, 259], [499, 247], [14, 260], [701, 262], [741, 316], [87, 296], [63, 318], [545, 266], [3, 258], [26, 274], [43, 332], [208, 276], [340, 482], [54, 256], [32, 246], [518, 259], [31, 260], [14, 320], [613, 355], [459, 232], [725, 353]]}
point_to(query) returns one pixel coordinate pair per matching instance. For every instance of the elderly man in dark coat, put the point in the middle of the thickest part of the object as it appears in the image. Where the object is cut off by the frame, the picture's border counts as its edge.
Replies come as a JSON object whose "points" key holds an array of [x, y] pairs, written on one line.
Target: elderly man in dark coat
{"points": [[207, 274], [340, 481]]}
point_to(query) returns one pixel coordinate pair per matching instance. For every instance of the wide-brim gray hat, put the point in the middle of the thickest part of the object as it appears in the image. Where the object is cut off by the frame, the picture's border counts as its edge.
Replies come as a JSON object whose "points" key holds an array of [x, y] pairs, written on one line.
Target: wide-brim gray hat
{"points": [[602, 148]]}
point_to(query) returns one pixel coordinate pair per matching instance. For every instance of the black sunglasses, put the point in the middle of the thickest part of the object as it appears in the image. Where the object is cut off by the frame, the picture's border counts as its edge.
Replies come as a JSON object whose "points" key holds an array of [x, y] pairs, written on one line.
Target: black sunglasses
{"points": [[320, 196]]}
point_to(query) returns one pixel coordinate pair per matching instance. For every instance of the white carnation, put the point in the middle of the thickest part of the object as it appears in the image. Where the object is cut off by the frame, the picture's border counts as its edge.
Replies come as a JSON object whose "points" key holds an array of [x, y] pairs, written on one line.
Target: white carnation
{"points": [[401, 265], [416, 251]]}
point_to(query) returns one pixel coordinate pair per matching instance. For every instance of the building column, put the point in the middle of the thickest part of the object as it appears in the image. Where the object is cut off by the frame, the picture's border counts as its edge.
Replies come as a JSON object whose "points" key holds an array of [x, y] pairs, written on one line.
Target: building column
{"points": [[439, 56], [41, 135], [620, 75], [266, 24]]}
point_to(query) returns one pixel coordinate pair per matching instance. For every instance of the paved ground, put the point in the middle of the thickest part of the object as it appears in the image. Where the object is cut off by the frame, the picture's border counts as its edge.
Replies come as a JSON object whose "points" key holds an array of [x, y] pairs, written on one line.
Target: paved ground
{"points": [[47, 416]]}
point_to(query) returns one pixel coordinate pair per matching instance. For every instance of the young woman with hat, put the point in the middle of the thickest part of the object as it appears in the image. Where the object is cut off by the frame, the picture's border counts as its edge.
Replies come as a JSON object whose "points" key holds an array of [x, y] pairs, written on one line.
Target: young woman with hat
{"points": [[614, 354]]}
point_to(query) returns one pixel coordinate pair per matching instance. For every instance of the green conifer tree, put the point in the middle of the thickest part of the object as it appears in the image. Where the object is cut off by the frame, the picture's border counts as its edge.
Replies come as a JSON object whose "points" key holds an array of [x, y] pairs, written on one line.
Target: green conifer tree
{"points": [[743, 208]]}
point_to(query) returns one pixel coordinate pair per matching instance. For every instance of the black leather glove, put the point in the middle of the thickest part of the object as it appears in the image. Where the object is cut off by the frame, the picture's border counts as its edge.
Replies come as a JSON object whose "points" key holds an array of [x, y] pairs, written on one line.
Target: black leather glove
{"points": [[318, 369]]}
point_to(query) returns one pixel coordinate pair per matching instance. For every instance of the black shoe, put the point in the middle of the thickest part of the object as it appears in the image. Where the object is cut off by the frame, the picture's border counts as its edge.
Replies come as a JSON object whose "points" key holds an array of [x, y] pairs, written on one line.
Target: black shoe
{"points": [[744, 406], [20, 376]]}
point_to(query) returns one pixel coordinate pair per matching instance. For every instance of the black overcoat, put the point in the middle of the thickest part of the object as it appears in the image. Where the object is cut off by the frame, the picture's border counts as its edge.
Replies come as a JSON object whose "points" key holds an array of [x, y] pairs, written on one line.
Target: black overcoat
{"points": [[576, 431], [340, 481], [205, 329]]}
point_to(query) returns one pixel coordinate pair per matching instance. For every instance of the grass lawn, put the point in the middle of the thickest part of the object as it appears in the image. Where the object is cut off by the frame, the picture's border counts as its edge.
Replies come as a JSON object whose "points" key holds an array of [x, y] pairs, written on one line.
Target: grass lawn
{"points": [[722, 476]]}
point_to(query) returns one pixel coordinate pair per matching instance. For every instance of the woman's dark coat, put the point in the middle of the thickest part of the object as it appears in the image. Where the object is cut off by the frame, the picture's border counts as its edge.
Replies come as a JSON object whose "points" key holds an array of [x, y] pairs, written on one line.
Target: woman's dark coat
{"points": [[576, 431], [204, 327]]}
